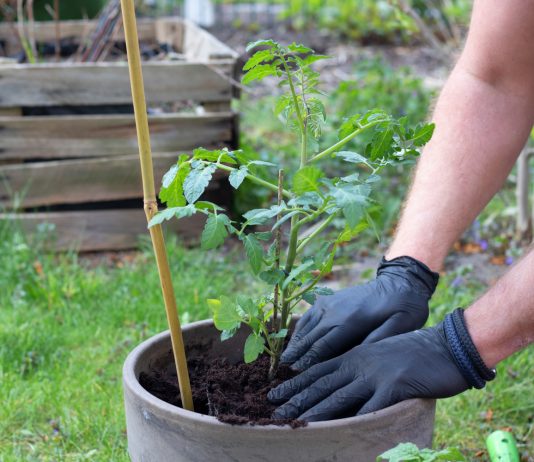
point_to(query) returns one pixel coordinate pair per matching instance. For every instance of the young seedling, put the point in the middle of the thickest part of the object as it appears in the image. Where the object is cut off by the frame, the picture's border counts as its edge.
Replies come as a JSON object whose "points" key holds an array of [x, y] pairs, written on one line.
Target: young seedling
{"points": [[304, 199]]}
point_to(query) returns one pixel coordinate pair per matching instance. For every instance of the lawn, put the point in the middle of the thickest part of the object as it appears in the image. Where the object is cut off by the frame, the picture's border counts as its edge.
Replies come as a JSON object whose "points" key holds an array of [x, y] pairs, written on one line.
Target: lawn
{"points": [[66, 326]]}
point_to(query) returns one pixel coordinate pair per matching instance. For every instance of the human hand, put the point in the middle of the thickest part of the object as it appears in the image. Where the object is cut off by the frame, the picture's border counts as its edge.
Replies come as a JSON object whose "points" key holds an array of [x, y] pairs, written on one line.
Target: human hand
{"points": [[393, 303], [370, 377]]}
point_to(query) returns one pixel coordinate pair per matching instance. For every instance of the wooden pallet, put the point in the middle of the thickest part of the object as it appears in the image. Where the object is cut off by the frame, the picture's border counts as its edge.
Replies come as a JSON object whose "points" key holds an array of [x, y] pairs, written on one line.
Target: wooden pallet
{"points": [[90, 160]]}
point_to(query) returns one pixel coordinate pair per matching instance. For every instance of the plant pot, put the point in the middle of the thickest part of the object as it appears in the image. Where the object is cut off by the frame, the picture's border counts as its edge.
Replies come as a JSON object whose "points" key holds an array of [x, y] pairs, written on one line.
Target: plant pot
{"points": [[161, 432]]}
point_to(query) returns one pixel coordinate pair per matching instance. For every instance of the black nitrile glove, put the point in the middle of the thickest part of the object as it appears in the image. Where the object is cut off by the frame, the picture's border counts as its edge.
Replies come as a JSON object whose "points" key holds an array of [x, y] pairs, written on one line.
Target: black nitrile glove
{"points": [[394, 303], [370, 377]]}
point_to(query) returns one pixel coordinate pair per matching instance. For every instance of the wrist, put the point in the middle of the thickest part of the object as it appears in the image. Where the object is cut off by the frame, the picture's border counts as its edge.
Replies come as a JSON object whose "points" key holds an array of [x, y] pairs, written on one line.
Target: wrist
{"points": [[485, 334], [433, 260], [464, 351]]}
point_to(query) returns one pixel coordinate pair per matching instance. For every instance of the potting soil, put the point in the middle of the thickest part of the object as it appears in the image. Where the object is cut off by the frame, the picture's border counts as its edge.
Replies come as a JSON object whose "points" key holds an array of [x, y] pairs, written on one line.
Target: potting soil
{"points": [[234, 393]]}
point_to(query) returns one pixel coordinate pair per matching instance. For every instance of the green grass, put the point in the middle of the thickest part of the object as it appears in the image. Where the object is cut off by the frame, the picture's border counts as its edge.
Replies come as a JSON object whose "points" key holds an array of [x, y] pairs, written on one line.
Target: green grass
{"points": [[65, 329], [64, 334], [466, 420]]}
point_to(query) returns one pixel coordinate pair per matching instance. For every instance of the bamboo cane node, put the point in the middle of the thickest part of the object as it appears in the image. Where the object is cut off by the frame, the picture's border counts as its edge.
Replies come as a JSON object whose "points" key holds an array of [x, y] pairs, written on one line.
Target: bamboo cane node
{"points": [[151, 207]]}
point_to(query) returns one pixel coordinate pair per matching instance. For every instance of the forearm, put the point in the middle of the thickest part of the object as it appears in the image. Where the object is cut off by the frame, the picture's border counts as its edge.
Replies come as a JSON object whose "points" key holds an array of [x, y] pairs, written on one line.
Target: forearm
{"points": [[483, 118], [502, 321], [479, 133]]}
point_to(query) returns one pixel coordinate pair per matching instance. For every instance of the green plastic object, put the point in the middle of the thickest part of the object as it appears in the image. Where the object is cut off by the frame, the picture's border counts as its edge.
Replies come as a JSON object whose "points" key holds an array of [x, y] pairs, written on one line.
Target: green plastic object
{"points": [[502, 447]]}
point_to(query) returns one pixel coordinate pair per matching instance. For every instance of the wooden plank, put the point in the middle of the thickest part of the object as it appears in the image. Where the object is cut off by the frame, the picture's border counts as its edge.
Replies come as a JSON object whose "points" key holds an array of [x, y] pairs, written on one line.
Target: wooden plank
{"points": [[54, 137], [10, 112], [60, 84], [200, 45], [45, 31], [97, 230], [78, 181]]}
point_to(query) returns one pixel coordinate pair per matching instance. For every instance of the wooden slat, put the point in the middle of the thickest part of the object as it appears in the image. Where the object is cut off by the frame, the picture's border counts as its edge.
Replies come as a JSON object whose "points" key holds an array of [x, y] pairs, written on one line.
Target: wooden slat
{"points": [[97, 230], [108, 135], [77, 181], [45, 31], [108, 83], [201, 45]]}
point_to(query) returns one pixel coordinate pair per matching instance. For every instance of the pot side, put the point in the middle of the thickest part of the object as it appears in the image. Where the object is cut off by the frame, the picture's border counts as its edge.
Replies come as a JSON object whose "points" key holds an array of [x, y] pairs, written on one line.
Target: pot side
{"points": [[160, 432]]}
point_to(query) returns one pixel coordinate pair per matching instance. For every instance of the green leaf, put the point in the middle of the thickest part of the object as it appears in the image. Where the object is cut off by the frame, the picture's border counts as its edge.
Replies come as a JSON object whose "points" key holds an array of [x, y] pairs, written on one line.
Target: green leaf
{"points": [[228, 334], [352, 200], [169, 177], [409, 452], [237, 176], [423, 134], [221, 155], [259, 73], [225, 314], [215, 231], [353, 213], [283, 103], [350, 233], [261, 43], [349, 125], [264, 235], [248, 306], [258, 58], [173, 212], [404, 452], [296, 272], [280, 334], [353, 157], [307, 179], [449, 454], [197, 181], [272, 276], [172, 192], [261, 216], [284, 219], [254, 346], [299, 48], [309, 297], [254, 251], [206, 205], [309, 199], [381, 144], [351, 178], [323, 291]]}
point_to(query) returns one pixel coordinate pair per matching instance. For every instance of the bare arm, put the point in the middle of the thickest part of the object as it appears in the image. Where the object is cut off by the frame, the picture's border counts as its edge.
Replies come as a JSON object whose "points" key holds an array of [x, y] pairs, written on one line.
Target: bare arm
{"points": [[483, 118], [502, 321]]}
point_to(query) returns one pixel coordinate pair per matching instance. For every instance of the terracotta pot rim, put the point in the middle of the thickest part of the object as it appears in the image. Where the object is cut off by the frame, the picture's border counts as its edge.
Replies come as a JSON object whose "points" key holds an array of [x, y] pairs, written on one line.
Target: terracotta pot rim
{"points": [[158, 406]]}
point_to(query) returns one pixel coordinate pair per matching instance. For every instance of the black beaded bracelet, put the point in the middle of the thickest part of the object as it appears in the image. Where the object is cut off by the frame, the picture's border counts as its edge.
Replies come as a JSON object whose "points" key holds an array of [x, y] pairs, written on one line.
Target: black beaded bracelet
{"points": [[464, 351]]}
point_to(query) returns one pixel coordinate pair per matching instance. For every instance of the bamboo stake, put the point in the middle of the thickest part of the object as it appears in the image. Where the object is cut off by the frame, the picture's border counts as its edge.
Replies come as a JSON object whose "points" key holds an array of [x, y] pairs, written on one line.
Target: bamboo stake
{"points": [[151, 206]]}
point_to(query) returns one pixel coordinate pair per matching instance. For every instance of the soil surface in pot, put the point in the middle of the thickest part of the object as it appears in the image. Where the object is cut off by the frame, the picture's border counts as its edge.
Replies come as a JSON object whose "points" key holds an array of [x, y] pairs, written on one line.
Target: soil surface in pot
{"points": [[234, 393]]}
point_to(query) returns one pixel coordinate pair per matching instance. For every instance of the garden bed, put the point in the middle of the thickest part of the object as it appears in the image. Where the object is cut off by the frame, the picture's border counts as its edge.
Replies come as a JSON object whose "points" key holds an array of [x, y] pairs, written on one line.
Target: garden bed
{"points": [[68, 151]]}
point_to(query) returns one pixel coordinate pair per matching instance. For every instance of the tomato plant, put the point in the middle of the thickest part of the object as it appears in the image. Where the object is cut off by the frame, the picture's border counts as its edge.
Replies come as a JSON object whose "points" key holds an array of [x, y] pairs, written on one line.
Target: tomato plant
{"points": [[301, 208]]}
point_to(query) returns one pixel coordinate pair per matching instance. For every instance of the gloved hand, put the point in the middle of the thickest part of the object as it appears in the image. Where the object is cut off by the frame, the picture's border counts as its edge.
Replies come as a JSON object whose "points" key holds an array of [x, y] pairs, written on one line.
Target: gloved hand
{"points": [[394, 303], [370, 377]]}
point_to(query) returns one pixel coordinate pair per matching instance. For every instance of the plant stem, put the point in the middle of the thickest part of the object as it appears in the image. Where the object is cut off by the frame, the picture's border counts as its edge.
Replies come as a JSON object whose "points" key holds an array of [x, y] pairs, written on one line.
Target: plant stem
{"points": [[294, 95], [311, 285], [317, 230], [257, 180], [345, 140], [303, 149], [278, 245]]}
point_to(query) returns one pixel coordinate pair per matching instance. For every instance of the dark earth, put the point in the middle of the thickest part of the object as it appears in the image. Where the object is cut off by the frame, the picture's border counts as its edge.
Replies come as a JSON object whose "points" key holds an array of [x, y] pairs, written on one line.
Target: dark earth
{"points": [[234, 393]]}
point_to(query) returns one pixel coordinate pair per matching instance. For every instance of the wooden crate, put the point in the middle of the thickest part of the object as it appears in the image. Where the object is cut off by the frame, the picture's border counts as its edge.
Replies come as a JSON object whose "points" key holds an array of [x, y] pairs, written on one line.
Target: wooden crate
{"points": [[77, 171]]}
